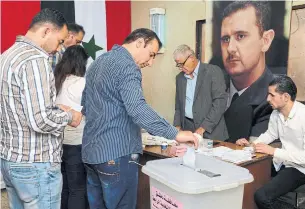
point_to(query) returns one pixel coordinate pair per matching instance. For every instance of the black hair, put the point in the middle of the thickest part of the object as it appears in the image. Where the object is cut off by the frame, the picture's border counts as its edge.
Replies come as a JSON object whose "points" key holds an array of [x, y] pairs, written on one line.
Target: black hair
{"points": [[284, 84], [147, 34], [73, 62], [262, 12], [73, 27], [49, 16]]}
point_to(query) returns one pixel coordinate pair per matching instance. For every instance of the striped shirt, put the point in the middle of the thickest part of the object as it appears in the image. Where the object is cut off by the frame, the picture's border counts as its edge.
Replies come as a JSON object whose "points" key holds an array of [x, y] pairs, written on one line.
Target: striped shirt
{"points": [[31, 125], [115, 109]]}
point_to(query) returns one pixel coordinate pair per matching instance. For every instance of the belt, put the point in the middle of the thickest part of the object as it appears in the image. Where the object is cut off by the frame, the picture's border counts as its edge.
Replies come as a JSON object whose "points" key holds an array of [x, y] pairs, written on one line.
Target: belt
{"points": [[190, 119]]}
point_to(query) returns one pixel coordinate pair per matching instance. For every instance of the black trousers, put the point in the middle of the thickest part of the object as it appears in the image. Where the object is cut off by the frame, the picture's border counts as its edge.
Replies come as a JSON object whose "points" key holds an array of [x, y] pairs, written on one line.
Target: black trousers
{"points": [[284, 181], [74, 193]]}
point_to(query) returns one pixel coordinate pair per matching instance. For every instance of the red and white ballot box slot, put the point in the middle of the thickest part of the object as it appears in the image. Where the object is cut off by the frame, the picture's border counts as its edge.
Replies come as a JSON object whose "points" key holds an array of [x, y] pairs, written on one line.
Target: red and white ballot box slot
{"points": [[212, 183]]}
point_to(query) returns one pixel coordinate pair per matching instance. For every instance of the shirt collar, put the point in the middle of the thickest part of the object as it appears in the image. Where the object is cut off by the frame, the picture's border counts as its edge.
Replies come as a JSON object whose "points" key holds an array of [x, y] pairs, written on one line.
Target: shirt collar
{"points": [[195, 73], [30, 42], [122, 49], [233, 90], [292, 112]]}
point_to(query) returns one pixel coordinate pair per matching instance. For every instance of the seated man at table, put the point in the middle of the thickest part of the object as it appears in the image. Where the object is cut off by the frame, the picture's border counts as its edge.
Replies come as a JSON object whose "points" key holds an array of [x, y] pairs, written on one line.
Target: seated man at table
{"points": [[287, 123]]}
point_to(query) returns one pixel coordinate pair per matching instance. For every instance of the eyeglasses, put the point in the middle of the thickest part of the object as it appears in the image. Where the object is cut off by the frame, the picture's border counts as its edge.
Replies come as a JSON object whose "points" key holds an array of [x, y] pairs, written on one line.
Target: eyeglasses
{"points": [[180, 65]]}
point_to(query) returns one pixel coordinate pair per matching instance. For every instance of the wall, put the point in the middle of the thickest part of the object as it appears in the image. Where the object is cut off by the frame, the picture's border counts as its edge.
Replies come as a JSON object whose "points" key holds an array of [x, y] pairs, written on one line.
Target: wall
{"points": [[159, 80], [297, 3], [297, 50]]}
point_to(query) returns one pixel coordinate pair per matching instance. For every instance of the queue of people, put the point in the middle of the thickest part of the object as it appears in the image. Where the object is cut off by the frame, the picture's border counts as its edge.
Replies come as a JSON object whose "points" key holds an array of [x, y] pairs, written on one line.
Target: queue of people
{"points": [[71, 136]]}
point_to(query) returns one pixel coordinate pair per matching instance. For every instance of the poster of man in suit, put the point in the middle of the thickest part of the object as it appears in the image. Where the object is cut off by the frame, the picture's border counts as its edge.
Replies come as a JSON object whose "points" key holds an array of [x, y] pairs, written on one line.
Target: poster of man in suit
{"points": [[249, 41], [279, 15]]}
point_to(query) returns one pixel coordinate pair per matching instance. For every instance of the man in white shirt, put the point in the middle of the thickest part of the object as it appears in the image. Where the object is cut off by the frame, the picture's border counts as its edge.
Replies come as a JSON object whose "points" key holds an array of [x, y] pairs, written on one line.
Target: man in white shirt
{"points": [[287, 123]]}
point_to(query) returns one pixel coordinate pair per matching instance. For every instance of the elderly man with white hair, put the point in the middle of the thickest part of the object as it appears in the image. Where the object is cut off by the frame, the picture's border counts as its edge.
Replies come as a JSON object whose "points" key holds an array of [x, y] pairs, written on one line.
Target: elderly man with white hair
{"points": [[200, 96]]}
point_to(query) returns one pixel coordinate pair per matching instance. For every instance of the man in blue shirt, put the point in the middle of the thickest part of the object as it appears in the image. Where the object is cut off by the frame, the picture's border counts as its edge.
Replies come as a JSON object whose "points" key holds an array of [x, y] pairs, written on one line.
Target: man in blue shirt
{"points": [[115, 111]]}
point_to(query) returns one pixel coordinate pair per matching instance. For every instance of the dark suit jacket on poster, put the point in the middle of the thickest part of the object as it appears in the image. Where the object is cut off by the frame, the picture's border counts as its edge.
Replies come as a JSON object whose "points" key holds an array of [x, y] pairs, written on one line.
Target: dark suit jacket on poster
{"points": [[249, 114], [209, 101]]}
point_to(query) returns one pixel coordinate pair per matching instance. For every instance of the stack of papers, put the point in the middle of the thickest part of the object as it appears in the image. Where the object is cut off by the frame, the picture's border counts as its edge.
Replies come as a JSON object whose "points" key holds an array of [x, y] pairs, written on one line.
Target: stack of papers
{"points": [[230, 155], [148, 139], [220, 151]]}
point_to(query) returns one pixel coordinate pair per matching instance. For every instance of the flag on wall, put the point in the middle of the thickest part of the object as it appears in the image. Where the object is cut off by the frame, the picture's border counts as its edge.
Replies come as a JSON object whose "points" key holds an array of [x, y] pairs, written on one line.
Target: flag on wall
{"points": [[106, 22]]}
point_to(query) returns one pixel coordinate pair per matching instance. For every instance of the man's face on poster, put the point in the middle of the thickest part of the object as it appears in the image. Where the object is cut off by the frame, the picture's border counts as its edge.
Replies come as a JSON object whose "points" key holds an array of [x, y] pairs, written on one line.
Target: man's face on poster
{"points": [[242, 45]]}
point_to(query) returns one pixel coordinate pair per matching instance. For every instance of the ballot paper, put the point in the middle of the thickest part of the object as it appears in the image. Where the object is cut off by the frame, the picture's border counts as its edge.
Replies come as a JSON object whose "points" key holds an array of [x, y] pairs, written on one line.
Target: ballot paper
{"points": [[200, 139], [237, 156], [230, 155], [189, 159], [220, 151]]}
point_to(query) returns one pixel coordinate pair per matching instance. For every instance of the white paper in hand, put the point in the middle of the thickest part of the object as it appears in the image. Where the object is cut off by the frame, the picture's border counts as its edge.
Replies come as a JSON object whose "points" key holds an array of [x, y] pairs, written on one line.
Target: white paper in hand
{"points": [[200, 138], [189, 158]]}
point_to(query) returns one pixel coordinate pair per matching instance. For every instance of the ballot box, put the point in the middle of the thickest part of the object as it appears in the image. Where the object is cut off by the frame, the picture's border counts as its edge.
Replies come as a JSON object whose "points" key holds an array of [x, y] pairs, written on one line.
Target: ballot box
{"points": [[212, 184]]}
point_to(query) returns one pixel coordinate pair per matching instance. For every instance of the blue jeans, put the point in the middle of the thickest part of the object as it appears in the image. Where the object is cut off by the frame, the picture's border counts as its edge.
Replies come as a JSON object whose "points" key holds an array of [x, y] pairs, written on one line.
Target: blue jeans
{"points": [[114, 184], [32, 185], [74, 194]]}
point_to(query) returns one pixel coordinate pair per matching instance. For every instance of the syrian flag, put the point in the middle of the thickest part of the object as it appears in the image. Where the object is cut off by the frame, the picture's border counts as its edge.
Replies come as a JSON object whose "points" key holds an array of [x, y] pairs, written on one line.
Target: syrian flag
{"points": [[106, 22]]}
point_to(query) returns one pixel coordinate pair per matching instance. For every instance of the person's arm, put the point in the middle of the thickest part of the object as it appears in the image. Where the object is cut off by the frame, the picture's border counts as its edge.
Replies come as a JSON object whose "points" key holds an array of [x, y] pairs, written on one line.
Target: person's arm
{"points": [[177, 119], [41, 115], [295, 156], [130, 89], [219, 100], [272, 133]]}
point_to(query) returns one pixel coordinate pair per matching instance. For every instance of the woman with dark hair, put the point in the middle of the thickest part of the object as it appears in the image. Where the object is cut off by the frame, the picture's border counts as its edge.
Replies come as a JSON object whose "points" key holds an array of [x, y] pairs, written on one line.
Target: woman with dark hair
{"points": [[70, 83]]}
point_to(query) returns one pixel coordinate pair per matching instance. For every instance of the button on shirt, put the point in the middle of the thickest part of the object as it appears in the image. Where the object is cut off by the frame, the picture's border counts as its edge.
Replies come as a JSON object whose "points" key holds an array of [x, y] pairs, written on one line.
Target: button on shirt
{"points": [[190, 92], [291, 132]]}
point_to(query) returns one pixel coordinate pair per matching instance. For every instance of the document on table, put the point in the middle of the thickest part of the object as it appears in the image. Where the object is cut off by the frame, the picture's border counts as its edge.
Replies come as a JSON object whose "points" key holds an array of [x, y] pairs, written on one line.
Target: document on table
{"points": [[234, 156]]}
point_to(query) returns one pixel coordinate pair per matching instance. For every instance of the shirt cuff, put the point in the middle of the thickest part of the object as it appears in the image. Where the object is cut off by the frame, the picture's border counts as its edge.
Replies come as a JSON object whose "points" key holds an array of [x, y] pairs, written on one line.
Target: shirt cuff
{"points": [[206, 127], [279, 153], [171, 133]]}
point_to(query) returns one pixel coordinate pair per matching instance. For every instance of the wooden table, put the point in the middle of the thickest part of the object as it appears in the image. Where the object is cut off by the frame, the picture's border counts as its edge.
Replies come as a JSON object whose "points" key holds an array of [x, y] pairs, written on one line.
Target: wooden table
{"points": [[259, 167]]}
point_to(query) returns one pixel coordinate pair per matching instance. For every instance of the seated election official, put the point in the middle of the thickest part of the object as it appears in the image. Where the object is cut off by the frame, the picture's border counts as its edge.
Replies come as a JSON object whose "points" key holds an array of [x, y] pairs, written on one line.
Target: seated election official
{"points": [[287, 123]]}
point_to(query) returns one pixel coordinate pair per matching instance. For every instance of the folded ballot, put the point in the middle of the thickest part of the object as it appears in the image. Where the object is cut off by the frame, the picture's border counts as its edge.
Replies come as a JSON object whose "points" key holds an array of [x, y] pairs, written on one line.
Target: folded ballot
{"points": [[189, 158]]}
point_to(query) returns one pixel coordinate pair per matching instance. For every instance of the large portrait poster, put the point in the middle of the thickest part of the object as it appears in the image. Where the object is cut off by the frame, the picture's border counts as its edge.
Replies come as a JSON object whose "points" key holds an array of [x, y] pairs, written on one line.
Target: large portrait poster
{"points": [[277, 54], [249, 40]]}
